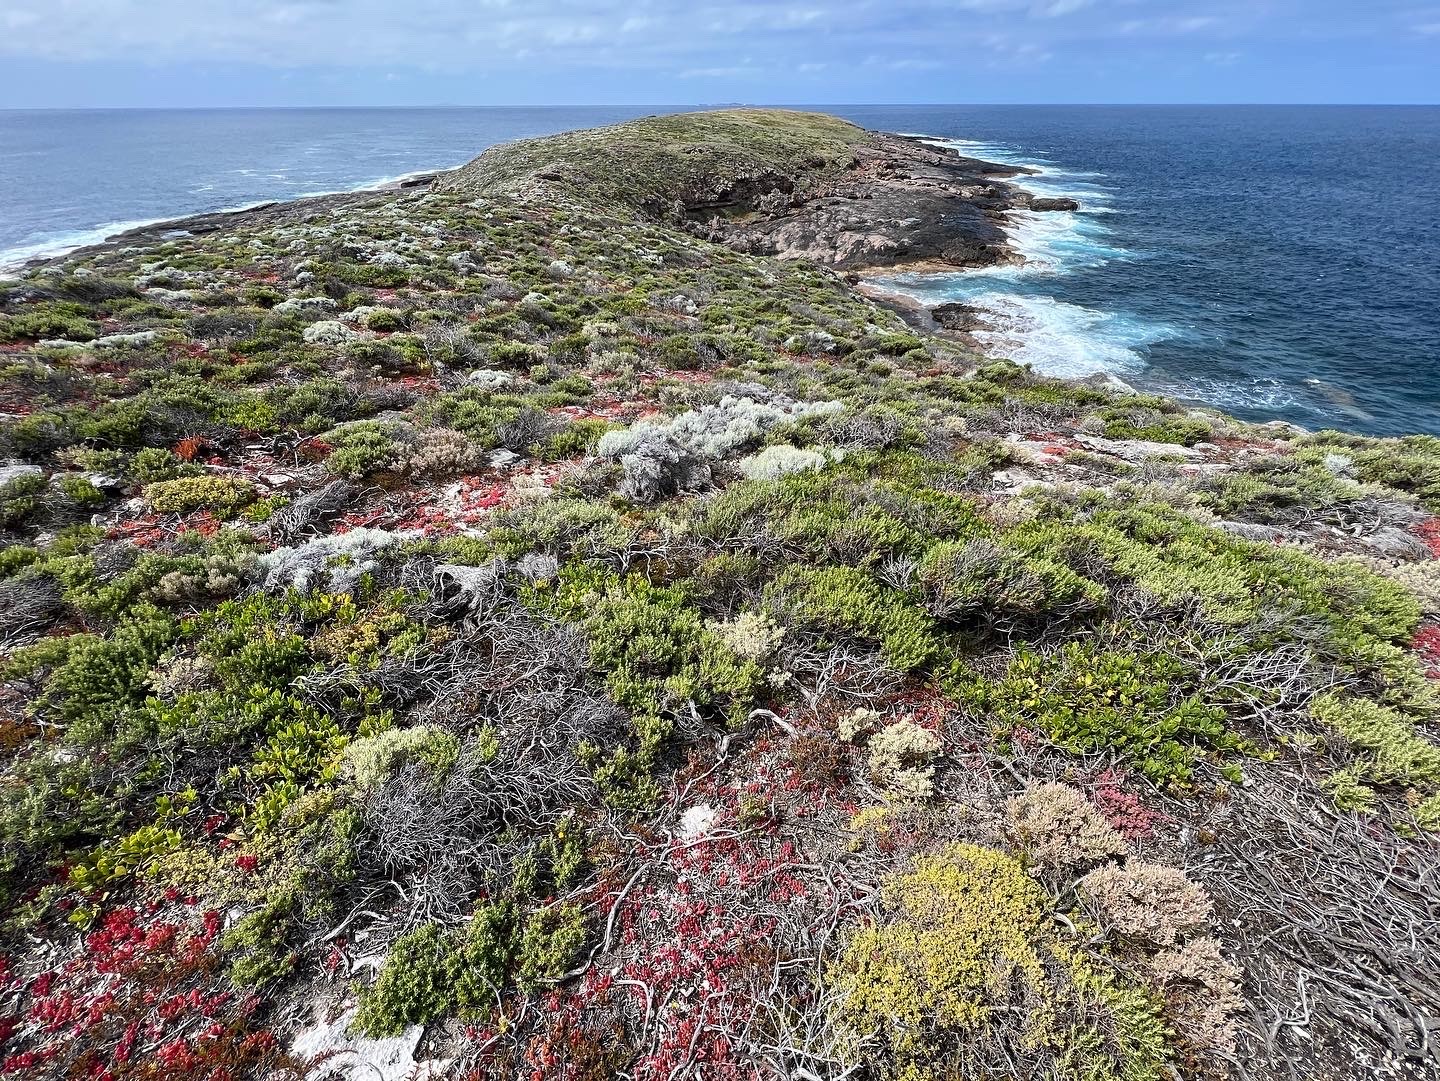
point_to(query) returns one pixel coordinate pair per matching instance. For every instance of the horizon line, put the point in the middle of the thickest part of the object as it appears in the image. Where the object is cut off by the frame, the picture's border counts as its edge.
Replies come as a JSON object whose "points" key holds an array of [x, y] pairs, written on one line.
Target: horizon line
{"points": [[755, 105]]}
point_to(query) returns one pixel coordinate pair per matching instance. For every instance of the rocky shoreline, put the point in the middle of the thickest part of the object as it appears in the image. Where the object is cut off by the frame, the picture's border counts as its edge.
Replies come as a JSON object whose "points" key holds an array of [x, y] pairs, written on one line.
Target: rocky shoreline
{"points": [[275, 212], [904, 203]]}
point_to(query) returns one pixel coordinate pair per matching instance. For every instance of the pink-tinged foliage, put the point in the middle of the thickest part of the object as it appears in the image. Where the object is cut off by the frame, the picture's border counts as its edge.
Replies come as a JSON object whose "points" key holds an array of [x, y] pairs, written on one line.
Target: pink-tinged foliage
{"points": [[1429, 532], [1427, 645], [1123, 809], [142, 998]]}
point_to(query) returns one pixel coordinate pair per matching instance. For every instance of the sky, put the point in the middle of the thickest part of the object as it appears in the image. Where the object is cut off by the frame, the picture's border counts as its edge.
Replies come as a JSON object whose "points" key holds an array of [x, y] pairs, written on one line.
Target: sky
{"points": [[169, 53]]}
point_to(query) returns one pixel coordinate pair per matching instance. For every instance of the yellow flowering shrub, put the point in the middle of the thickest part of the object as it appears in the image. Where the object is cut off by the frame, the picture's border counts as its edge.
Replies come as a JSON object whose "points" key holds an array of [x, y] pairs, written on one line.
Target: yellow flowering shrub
{"points": [[968, 969]]}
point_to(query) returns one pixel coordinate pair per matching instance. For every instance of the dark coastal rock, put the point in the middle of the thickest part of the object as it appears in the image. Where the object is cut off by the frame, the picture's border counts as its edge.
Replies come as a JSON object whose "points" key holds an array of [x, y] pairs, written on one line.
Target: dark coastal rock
{"points": [[901, 202], [913, 311], [960, 317], [1049, 203]]}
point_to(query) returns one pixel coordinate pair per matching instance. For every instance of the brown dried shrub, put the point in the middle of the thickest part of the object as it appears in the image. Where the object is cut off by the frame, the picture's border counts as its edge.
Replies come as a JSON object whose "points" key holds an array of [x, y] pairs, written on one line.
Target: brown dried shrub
{"points": [[1147, 903], [1060, 829]]}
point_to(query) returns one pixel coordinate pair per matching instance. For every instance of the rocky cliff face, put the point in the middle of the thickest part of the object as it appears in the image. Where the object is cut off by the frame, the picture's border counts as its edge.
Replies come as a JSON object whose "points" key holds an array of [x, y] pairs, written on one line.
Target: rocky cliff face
{"points": [[901, 202]]}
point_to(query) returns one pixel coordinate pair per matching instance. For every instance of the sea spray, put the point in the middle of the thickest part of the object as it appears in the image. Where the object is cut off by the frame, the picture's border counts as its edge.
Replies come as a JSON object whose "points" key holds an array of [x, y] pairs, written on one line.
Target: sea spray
{"points": [[1015, 314]]}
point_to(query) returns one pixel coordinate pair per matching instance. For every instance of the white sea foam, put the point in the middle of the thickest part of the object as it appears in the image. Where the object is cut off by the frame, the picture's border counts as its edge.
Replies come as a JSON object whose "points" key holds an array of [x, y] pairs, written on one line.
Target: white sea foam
{"points": [[383, 182], [48, 247], [1269, 395], [1017, 319], [1062, 339]]}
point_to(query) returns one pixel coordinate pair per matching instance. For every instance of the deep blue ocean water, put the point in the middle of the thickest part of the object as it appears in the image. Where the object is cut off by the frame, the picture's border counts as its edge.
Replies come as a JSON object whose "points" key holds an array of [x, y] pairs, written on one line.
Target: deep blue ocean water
{"points": [[1273, 261]]}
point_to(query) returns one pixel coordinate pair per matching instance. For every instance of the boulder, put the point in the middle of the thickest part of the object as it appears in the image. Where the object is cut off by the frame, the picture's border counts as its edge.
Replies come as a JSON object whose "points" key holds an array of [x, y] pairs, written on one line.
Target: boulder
{"points": [[10, 472]]}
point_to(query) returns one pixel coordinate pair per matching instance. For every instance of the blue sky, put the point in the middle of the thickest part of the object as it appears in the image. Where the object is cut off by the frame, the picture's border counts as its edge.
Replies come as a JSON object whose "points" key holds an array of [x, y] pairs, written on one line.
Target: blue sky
{"points": [[663, 52]]}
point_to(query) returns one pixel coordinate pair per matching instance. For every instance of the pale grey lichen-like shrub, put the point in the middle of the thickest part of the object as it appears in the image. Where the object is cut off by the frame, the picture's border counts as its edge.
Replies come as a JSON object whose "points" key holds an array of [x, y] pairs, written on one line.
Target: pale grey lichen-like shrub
{"points": [[663, 459], [436, 452], [372, 760], [717, 431], [177, 673], [752, 635], [778, 461], [1060, 829], [222, 576], [337, 561], [491, 378], [857, 722], [812, 341], [1146, 903], [304, 306], [901, 759], [537, 566], [656, 463], [330, 332]]}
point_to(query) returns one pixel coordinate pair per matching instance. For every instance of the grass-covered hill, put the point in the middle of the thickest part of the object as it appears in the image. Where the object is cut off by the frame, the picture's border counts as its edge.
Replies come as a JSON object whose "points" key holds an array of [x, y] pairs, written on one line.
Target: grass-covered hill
{"points": [[692, 157], [497, 633]]}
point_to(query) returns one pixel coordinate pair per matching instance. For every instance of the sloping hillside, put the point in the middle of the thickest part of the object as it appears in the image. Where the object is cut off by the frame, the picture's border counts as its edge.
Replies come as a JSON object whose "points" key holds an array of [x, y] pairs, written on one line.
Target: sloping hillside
{"points": [[502, 632]]}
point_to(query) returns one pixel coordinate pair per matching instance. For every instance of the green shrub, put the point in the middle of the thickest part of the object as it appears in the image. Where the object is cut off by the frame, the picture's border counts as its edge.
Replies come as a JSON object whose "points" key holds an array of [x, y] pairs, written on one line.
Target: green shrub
{"points": [[980, 577], [1154, 419], [50, 319], [550, 943], [222, 496], [80, 491], [658, 656], [416, 984], [1089, 699], [432, 973], [1410, 464], [847, 601], [22, 498], [16, 558], [575, 440], [1392, 752], [152, 464], [102, 679], [384, 319], [359, 449]]}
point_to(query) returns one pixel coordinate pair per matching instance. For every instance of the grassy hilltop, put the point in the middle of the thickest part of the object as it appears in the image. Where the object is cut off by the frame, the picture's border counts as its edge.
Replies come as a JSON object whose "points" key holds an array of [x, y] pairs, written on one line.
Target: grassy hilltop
{"points": [[653, 161], [499, 629]]}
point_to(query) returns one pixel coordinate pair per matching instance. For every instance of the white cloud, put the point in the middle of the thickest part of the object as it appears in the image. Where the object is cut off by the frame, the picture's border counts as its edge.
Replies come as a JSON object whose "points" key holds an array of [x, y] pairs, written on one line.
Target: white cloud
{"points": [[1057, 8], [694, 38]]}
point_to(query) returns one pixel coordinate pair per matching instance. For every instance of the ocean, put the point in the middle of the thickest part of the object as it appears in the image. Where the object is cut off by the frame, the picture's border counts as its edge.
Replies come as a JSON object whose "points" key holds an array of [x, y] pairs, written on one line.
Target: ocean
{"points": [[1275, 262]]}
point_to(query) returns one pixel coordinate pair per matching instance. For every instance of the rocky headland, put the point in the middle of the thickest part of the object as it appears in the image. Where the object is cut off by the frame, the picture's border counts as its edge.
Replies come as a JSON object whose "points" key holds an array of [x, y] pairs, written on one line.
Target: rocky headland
{"points": [[549, 622]]}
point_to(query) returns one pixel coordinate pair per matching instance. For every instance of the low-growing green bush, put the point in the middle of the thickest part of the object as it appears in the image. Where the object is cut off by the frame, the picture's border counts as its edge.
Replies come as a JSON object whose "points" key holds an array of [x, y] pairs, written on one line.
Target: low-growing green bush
{"points": [[847, 602], [1088, 699], [222, 496], [60, 319]]}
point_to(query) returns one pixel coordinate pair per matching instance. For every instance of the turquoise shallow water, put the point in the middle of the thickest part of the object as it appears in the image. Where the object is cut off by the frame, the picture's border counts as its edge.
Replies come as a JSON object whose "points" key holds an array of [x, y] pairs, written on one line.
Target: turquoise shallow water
{"points": [[1273, 261]]}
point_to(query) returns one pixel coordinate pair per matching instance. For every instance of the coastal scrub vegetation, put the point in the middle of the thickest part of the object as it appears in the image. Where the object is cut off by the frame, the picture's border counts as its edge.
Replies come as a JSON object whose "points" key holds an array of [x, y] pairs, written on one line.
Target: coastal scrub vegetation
{"points": [[500, 632]]}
